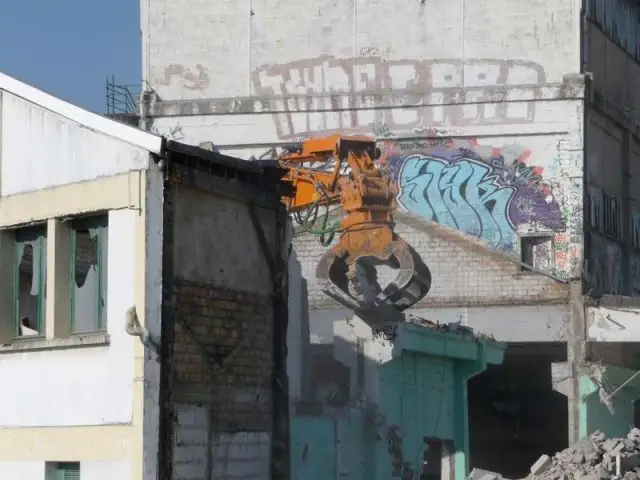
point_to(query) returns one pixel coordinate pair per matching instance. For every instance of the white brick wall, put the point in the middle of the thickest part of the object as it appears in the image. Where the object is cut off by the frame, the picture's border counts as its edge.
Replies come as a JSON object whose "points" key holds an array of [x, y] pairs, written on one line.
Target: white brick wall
{"points": [[462, 274], [199, 453]]}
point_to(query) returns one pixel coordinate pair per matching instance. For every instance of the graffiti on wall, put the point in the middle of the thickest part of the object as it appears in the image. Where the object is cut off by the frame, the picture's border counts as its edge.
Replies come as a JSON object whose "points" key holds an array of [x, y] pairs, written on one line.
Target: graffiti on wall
{"points": [[315, 95], [489, 193], [171, 132], [197, 80]]}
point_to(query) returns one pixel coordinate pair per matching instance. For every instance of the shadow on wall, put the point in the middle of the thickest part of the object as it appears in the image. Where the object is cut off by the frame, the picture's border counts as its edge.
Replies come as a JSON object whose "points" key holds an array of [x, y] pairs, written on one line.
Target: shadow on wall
{"points": [[376, 403]]}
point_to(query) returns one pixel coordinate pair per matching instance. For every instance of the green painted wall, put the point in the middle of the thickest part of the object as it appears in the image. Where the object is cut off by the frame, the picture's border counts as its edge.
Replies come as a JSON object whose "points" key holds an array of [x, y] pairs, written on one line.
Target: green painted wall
{"points": [[594, 415], [313, 448], [417, 396]]}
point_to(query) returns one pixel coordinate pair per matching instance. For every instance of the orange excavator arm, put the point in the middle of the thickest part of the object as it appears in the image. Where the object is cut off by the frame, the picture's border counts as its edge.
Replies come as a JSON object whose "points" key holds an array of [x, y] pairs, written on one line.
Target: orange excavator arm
{"points": [[341, 170]]}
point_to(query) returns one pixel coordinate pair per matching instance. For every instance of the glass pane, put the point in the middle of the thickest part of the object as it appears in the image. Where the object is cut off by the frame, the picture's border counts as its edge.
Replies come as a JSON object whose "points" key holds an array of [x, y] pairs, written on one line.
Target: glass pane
{"points": [[86, 280], [31, 273]]}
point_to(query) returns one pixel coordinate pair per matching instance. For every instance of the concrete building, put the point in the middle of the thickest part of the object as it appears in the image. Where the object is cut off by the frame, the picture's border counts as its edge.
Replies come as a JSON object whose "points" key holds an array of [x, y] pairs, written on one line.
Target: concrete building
{"points": [[123, 303], [511, 132]]}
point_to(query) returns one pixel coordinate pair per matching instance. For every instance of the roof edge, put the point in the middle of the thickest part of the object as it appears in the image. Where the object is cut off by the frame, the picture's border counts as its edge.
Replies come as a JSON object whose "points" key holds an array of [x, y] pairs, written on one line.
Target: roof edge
{"points": [[478, 245], [94, 121]]}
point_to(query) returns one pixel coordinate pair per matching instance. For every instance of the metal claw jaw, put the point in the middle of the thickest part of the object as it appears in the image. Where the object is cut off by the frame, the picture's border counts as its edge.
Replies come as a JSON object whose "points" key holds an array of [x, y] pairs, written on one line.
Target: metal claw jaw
{"points": [[352, 280]]}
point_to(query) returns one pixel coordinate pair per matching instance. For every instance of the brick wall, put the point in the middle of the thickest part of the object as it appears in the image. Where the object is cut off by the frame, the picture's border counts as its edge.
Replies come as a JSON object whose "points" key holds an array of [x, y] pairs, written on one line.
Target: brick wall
{"points": [[222, 354], [220, 410], [221, 365], [463, 272]]}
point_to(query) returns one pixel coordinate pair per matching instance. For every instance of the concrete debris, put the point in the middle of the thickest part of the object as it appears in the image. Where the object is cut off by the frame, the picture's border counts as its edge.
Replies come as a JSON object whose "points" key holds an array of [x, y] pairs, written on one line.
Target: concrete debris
{"points": [[478, 474], [454, 327], [593, 458], [543, 463]]}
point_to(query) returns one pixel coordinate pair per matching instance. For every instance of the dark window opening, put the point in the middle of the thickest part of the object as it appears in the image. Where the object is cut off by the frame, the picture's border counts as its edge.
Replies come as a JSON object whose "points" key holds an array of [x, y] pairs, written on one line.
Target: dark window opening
{"points": [[536, 252], [30, 272]]}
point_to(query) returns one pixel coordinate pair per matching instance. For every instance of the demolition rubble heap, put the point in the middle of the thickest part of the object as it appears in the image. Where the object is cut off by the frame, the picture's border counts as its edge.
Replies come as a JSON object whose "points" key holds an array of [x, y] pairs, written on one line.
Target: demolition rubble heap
{"points": [[593, 458]]}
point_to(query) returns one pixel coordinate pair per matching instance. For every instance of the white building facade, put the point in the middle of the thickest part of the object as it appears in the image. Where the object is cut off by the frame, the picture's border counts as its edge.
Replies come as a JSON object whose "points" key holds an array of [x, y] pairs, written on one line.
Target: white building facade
{"points": [[72, 249]]}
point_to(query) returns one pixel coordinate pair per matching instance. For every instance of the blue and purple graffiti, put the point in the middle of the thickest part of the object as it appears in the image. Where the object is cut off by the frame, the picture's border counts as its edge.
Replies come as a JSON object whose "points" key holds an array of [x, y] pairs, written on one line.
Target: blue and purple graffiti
{"points": [[475, 190]]}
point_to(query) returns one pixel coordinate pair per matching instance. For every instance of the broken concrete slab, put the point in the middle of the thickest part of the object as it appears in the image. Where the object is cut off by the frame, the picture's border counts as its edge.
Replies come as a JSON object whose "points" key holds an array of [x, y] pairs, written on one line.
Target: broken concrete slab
{"points": [[541, 465]]}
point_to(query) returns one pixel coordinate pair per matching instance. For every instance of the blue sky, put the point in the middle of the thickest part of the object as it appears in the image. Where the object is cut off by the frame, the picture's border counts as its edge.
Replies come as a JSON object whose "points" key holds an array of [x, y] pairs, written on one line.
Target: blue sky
{"points": [[69, 47]]}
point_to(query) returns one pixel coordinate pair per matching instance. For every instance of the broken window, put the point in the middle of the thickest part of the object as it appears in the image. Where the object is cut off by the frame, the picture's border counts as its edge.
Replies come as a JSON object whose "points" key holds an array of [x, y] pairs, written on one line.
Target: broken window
{"points": [[30, 272], [89, 274], [536, 252]]}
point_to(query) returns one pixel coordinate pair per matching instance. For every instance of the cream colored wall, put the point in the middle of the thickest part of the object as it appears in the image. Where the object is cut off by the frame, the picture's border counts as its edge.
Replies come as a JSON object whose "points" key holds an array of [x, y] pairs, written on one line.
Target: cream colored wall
{"points": [[110, 443]]}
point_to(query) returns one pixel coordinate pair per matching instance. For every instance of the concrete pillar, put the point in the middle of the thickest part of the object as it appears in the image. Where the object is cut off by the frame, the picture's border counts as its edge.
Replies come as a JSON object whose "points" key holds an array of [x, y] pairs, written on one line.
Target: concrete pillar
{"points": [[447, 468], [58, 302], [576, 356], [625, 152], [463, 372], [7, 287]]}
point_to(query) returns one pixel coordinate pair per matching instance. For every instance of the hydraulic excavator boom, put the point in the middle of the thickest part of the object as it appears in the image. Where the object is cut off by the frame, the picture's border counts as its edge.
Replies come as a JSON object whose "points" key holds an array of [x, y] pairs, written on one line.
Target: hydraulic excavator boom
{"points": [[341, 170]]}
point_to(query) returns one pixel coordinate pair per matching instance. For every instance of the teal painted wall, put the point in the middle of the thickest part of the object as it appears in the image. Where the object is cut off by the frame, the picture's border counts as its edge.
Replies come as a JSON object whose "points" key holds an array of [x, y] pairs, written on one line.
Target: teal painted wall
{"points": [[422, 395], [594, 415], [419, 393], [417, 396], [313, 448]]}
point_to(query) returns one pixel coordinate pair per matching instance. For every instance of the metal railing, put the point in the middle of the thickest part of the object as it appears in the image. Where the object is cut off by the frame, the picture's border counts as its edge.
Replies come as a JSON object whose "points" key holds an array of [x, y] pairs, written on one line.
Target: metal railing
{"points": [[120, 98]]}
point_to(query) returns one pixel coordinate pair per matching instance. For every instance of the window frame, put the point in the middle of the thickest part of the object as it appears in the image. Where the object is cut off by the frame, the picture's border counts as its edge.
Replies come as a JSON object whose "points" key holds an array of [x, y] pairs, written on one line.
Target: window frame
{"points": [[101, 223], [525, 245], [62, 468], [37, 233]]}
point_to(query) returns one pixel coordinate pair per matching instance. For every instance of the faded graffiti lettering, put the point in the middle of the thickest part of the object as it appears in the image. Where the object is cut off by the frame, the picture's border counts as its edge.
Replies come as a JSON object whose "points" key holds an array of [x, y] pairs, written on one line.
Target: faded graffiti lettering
{"points": [[316, 94], [198, 80], [485, 192]]}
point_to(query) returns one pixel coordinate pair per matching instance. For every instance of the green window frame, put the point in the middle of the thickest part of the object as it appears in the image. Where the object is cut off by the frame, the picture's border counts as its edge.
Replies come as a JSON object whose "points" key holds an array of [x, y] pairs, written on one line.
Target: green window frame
{"points": [[37, 236], [97, 227], [68, 471]]}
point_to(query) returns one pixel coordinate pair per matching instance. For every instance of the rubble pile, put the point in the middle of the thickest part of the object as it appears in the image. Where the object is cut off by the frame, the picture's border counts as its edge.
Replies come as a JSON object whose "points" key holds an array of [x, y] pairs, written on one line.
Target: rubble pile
{"points": [[593, 458]]}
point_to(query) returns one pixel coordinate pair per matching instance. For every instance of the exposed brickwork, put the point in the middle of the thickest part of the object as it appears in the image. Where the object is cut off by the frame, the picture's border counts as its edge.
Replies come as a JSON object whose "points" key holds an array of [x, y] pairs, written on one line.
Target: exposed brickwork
{"points": [[220, 359], [222, 354], [462, 273], [201, 453]]}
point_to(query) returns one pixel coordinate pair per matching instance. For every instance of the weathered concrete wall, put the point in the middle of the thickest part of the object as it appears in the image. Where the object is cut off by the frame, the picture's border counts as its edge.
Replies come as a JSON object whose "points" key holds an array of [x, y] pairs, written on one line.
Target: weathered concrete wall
{"points": [[511, 116], [334, 48], [480, 116], [220, 339], [66, 152]]}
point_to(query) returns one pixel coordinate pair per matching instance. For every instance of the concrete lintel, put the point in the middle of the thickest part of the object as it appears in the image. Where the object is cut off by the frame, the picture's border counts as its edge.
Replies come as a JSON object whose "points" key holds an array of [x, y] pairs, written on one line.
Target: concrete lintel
{"points": [[570, 89], [106, 193], [432, 341]]}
